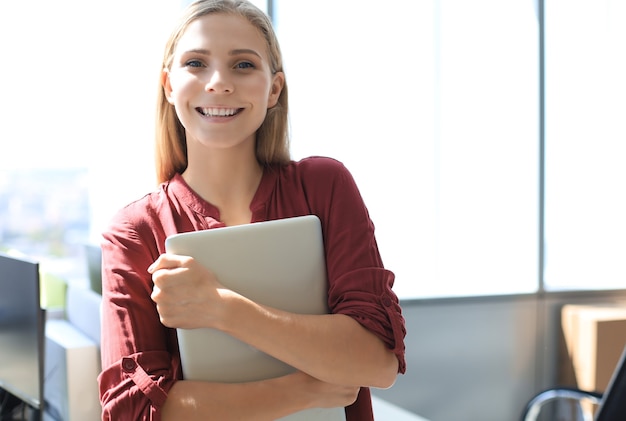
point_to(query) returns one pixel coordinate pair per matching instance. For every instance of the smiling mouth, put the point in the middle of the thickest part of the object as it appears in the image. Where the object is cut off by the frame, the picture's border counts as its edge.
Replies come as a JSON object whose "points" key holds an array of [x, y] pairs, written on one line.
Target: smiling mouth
{"points": [[218, 112]]}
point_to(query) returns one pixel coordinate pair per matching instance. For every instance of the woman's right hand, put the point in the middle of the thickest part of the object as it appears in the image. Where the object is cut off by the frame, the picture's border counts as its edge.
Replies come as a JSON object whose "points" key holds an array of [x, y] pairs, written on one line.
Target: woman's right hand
{"points": [[187, 294]]}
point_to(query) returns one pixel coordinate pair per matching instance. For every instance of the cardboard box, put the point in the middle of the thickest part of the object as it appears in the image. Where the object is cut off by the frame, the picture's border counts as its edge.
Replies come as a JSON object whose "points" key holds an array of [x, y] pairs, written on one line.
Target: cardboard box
{"points": [[594, 339], [72, 364]]}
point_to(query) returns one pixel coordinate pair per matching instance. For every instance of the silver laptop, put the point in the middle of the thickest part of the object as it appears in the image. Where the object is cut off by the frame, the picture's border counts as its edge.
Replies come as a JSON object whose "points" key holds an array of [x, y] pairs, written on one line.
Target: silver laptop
{"points": [[277, 263]]}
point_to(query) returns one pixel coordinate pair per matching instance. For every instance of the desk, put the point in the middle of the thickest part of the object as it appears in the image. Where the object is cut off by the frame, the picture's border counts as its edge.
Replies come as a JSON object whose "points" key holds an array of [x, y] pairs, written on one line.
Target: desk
{"points": [[386, 411]]}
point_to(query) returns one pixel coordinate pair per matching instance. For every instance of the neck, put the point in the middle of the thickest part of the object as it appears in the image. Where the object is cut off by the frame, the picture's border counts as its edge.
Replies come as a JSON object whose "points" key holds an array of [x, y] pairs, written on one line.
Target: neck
{"points": [[227, 180]]}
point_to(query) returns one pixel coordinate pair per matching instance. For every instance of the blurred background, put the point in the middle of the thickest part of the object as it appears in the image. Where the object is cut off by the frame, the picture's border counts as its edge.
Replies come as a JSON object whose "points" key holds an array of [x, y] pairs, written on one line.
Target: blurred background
{"points": [[487, 138]]}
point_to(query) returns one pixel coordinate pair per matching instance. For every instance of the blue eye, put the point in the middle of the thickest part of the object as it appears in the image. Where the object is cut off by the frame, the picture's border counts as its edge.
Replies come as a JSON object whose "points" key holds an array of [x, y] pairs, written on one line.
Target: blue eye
{"points": [[194, 63], [244, 65]]}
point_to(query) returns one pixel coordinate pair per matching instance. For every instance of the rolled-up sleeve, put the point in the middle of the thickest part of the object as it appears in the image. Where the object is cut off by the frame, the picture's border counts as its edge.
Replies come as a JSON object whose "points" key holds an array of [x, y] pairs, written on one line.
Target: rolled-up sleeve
{"points": [[359, 284], [128, 392], [366, 296], [140, 359]]}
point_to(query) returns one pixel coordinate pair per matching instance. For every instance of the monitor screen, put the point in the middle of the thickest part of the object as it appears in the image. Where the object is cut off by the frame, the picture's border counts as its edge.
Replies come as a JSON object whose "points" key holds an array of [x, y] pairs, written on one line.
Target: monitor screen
{"points": [[21, 330]]}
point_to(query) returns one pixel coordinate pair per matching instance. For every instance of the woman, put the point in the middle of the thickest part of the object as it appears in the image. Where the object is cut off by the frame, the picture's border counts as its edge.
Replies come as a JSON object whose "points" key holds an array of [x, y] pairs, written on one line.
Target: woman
{"points": [[223, 159]]}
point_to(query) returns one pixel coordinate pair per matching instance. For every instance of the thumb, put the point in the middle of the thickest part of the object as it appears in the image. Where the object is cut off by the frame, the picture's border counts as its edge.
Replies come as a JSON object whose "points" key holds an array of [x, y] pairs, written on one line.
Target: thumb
{"points": [[167, 261]]}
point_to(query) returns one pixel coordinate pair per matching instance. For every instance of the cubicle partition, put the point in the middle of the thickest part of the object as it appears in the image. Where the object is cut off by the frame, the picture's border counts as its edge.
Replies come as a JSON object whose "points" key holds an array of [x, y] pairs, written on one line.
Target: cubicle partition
{"points": [[483, 358]]}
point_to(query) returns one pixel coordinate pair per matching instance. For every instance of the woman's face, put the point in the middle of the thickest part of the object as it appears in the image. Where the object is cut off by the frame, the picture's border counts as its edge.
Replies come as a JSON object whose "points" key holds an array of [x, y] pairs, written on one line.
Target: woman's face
{"points": [[220, 81]]}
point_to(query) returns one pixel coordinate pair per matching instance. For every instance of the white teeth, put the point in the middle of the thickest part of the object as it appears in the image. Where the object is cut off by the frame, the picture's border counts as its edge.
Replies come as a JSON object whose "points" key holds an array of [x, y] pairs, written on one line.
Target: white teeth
{"points": [[218, 112]]}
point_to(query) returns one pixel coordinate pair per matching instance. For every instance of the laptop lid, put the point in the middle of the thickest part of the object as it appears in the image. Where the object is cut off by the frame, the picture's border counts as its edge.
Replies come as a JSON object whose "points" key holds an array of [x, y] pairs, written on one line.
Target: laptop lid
{"points": [[277, 263]]}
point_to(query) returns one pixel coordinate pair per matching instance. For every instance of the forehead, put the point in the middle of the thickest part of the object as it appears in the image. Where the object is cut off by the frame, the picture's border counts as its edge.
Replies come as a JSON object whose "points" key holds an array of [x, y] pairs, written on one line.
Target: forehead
{"points": [[221, 31]]}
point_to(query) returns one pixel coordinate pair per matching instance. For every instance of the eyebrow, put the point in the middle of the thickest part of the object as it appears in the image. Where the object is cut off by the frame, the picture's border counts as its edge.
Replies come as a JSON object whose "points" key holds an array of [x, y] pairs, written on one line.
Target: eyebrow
{"points": [[244, 51], [231, 53]]}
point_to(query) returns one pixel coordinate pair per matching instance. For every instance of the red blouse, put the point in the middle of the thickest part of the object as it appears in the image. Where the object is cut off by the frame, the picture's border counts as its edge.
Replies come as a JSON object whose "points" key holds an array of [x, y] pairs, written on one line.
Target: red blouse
{"points": [[140, 357]]}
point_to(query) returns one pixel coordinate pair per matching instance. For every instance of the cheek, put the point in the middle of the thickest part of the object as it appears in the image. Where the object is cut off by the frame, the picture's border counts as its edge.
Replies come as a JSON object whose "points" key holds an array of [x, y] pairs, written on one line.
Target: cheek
{"points": [[259, 87], [180, 99], [182, 84]]}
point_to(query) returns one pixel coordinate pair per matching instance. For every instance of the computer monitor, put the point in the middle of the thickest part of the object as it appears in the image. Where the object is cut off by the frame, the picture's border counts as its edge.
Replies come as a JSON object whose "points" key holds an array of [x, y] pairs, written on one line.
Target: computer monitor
{"points": [[93, 252], [22, 332]]}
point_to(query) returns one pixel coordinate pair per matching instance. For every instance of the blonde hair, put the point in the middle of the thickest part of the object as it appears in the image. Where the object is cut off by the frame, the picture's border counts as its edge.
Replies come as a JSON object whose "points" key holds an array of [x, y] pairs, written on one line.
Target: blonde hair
{"points": [[272, 137]]}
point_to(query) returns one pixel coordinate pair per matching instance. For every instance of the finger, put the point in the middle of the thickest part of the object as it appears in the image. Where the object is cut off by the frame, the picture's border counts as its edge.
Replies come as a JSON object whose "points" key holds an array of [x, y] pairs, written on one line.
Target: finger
{"points": [[168, 278], [167, 261], [156, 292]]}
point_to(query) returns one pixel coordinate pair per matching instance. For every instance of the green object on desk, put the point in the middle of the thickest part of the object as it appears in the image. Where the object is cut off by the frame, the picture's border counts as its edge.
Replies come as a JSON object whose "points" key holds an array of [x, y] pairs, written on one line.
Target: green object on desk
{"points": [[53, 291]]}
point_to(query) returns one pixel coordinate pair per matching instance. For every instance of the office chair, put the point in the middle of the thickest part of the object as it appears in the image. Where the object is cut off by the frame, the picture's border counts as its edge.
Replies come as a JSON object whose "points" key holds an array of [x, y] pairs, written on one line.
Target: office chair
{"points": [[8, 405], [611, 405]]}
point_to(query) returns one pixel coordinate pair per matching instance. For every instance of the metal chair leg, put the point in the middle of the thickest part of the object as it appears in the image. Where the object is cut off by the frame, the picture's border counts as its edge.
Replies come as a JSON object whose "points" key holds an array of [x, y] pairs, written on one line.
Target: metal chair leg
{"points": [[533, 408]]}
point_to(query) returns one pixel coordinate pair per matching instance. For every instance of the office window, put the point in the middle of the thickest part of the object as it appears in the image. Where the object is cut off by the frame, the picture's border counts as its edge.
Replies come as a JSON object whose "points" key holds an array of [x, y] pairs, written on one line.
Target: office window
{"points": [[80, 80], [433, 106], [585, 144]]}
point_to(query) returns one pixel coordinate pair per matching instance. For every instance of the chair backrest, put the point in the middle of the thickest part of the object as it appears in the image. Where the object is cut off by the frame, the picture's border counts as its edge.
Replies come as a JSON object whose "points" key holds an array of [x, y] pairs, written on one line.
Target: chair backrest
{"points": [[613, 406]]}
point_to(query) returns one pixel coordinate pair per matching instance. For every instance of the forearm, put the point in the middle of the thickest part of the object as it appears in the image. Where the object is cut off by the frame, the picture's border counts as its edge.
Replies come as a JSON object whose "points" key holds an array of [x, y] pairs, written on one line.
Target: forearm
{"points": [[263, 400], [191, 400], [334, 348]]}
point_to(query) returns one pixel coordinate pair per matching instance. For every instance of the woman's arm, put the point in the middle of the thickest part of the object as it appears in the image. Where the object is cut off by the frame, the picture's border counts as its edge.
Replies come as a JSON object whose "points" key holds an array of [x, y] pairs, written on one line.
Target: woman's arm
{"points": [[258, 401], [141, 366], [334, 348]]}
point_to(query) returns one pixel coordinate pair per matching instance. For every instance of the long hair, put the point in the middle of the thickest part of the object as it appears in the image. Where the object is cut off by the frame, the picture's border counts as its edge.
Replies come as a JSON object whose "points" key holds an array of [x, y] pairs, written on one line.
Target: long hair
{"points": [[272, 137]]}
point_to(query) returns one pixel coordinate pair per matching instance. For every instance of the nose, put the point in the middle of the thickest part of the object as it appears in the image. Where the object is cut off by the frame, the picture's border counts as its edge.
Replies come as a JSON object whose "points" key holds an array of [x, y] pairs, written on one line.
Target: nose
{"points": [[219, 82]]}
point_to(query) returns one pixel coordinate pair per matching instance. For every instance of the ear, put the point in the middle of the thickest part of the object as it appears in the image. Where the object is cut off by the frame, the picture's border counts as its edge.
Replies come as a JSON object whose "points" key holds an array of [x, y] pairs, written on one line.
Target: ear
{"points": [[278, 82], [167, 86]]}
